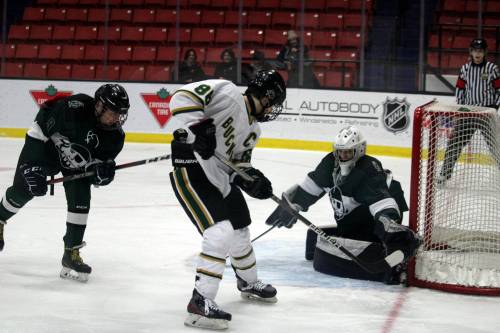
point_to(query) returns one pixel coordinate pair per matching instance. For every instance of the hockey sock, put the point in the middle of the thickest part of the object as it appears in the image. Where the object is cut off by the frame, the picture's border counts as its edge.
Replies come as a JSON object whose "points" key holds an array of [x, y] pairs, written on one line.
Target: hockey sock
{"points": [[11, 203], [74, 234]]}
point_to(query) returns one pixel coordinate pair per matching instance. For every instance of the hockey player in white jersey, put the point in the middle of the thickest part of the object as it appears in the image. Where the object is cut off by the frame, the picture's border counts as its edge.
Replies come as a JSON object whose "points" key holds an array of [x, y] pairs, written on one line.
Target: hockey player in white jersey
{"points": [[217, 117]]}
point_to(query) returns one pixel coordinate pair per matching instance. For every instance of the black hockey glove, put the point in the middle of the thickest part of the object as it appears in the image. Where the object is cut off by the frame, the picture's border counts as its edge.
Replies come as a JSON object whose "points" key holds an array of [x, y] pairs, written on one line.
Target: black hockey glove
{"points": [[204, 142], [259, 188], [35, 179], [182, 152], [281, 216], [104, 172], [395, 236]]}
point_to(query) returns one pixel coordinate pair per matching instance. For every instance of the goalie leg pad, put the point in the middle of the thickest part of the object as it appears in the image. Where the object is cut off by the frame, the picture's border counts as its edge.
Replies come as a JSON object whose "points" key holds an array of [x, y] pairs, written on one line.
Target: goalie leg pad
{"points": [[330, 260], [311, 240]]}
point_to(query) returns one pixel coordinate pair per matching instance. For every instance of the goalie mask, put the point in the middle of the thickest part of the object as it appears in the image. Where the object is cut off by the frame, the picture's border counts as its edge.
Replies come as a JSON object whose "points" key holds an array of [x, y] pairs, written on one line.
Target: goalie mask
{"points": [[348, 148], [268, 84], [113, 111]]}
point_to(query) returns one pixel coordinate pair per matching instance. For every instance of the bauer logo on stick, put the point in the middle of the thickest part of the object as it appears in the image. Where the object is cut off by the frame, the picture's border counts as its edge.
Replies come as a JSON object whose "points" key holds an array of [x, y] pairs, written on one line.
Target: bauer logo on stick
{"points": [[396, 116]]}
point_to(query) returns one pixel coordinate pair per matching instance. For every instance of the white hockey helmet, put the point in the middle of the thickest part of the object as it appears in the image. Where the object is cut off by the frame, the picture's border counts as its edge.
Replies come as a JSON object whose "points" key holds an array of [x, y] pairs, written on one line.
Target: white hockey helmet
{"points": [[349, 138]]}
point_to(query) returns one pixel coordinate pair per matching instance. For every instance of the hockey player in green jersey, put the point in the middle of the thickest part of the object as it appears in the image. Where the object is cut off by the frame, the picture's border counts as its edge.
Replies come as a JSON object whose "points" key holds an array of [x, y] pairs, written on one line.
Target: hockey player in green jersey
{"points": [[217, 117], [368, 205], [70, 135]]}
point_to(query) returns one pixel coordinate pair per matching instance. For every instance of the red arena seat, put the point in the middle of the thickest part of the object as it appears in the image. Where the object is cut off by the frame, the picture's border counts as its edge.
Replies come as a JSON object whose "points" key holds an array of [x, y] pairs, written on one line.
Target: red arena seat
{"points": [[157, 73], [83, 72], [59, 71], [49, 51], [132, 73]]}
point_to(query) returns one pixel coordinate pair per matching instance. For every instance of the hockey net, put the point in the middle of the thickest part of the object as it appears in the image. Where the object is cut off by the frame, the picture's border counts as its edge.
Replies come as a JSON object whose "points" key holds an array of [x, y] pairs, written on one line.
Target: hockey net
{"points": [[456, 209]]}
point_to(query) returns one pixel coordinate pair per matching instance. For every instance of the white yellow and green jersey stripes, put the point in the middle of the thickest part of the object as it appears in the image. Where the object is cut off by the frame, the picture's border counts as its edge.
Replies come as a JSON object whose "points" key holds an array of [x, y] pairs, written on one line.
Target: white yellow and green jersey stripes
{"points": [[237, 131]]}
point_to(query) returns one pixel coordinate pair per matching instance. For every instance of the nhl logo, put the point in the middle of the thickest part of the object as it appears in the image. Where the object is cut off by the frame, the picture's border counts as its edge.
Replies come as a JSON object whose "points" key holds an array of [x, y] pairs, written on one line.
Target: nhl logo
{"points": [[396, 117]]}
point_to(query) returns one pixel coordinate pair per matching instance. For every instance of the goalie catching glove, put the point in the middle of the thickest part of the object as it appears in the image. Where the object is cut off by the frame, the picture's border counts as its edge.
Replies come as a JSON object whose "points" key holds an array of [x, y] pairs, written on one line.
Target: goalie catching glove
{"points": [[259, 188], [104, 172]]}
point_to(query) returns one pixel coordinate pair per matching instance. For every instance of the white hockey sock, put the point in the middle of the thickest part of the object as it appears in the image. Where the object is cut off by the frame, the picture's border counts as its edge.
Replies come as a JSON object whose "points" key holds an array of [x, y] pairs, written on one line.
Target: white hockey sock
{"points": [[243, 256], [212, 259]]}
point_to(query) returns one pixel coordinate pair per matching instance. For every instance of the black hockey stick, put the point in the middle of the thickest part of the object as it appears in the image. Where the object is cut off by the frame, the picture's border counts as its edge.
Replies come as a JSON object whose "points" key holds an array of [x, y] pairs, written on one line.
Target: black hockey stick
{"points": [[118, 167], [262, 234], [380, 266]]}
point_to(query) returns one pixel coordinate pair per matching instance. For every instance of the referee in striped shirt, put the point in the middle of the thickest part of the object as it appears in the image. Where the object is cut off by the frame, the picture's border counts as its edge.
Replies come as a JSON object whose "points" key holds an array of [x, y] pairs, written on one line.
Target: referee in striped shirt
{"points": [[478, 84]]}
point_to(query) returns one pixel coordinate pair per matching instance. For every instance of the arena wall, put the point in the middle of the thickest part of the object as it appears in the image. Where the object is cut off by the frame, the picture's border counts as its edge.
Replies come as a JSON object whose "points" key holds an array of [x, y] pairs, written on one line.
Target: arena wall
{"points": [[310, 118]]}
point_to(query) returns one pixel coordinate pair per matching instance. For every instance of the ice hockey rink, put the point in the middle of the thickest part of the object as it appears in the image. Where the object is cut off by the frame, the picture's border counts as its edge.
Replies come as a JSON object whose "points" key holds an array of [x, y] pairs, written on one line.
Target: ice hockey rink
{"points": [[142, 248]]}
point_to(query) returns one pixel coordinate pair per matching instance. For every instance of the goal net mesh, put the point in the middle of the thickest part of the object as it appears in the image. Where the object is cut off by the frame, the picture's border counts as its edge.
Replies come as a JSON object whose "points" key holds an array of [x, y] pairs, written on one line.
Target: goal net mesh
{"points": [[456, 194]]}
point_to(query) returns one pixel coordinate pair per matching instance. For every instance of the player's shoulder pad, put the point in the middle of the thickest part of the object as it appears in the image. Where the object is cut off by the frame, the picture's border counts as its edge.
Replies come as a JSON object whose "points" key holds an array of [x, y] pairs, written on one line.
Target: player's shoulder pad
{"points": [[369, 165], [329, 159], [327, 163]]}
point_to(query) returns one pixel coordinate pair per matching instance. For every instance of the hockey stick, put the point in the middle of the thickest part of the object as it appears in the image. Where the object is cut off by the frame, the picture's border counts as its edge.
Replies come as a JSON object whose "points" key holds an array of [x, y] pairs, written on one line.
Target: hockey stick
{"points": [[380, 266], [262, 234], [118, 167]]}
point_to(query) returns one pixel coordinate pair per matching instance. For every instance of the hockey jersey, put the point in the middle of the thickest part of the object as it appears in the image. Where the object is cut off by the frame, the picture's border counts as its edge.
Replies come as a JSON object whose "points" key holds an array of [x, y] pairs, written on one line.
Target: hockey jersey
{"points": [[66, 135], [365, 193], [237, 131]]}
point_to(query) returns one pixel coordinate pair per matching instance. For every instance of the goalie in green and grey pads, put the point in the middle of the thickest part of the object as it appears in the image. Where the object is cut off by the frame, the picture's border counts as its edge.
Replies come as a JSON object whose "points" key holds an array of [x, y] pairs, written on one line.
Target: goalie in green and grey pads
{"points": [[70, 135], [368, 205]]}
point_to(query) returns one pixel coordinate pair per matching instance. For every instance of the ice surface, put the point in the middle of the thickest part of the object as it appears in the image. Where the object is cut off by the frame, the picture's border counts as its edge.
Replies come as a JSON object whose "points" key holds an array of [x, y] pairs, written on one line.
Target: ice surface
{"points": [[142, 247]]}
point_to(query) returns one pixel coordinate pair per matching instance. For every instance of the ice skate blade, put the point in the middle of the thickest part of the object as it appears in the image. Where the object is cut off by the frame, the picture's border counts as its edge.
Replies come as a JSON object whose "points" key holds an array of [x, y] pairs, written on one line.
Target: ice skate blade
{"points": [[195, 320], [252, 297], [68, 273]]}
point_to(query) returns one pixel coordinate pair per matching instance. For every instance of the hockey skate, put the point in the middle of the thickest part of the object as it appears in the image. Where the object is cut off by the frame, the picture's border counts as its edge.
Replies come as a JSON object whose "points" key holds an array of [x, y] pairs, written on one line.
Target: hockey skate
{"points": [[205, 313], [2, 243], [73, 266], [257, 291]]}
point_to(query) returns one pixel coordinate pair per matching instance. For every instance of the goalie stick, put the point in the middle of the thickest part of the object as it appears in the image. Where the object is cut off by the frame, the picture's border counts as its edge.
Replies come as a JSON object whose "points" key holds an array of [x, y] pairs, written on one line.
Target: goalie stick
{"points": [[380, 266], [118, 167]]}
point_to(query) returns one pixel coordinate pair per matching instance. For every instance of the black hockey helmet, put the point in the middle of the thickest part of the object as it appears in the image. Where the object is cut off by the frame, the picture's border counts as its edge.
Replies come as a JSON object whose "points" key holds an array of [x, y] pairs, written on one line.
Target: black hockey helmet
{"points": [[478, 44], [114, 97], [268, 84]]}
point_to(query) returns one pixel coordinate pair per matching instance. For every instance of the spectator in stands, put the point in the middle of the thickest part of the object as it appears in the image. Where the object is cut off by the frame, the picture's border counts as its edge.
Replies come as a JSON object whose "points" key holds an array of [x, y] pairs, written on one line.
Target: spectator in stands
{"points": [[259, 63], [478, 84], [189, 69], [227, 68], [289, 59]]}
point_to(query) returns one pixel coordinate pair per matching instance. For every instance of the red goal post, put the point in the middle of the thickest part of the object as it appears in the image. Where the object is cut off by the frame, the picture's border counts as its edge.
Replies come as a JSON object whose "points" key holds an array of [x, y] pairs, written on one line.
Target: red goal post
{"points": [[458, 217]]}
